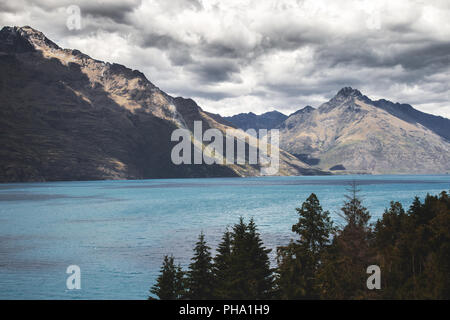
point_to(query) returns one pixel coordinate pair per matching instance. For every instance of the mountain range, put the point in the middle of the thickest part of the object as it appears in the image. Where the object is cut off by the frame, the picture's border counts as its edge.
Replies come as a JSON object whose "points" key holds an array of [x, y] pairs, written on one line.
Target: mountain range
{"points": [[66, 116], [268, 120], [353, 134]]}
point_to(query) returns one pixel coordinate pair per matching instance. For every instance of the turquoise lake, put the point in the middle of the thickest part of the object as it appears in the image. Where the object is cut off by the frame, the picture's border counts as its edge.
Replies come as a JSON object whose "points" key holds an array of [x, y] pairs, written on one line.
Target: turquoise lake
{"points": [[117, 232]]}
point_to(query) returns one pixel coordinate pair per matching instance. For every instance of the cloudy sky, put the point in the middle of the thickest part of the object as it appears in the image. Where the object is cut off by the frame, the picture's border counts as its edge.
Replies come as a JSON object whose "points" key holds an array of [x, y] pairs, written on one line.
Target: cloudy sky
{"points": [[240, 56]]}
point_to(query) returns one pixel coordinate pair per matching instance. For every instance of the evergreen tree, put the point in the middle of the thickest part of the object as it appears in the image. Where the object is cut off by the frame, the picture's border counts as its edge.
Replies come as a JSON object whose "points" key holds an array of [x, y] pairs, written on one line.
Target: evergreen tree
{"points": [[299, 261], [261, 283], [295, 273], [221, 268], [200, 275], [436, 279], [390, 246], [331, 283], [414, 249], [249, 264], [353, 212], [169, 284], [314, 225], [352, 253]]}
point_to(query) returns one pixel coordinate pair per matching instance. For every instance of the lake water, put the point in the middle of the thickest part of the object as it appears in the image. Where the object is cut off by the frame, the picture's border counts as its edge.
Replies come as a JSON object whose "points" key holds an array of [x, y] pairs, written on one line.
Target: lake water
{"points": [[117, 232]]}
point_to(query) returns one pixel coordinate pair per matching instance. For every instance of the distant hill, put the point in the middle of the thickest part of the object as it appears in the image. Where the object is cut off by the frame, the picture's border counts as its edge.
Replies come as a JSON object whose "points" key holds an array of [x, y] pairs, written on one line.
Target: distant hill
{"points": [[353, 134], [66, 116], [268, 120]]}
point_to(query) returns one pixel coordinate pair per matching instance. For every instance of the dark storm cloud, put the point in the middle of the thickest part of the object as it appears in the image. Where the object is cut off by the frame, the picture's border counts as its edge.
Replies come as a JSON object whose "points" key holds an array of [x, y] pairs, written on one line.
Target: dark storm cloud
{"points": [[209, 95], [180, 57], [428, 55], [250, 56], [432, 56], [214, 71], [161, 41], [115, 11], [216, 49]]}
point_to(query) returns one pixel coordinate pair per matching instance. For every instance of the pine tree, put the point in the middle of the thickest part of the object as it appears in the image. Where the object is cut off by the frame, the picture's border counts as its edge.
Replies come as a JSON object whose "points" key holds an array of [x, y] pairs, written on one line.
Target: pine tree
{"points": [[249, 264], [416, 246], [169, 284], [299, 261], [221, 268], [262, 283], [353, 212], [351, 251], [436, 279], [331, 283], [200, 275], [314, 225], [295, 272], [389, 244]]}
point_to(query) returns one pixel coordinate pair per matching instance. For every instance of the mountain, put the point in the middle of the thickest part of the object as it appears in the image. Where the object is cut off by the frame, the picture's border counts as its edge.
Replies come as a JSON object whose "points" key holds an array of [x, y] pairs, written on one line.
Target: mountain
{"points": [[406, 112], [66, 116], [268, 120], [353, 134]]}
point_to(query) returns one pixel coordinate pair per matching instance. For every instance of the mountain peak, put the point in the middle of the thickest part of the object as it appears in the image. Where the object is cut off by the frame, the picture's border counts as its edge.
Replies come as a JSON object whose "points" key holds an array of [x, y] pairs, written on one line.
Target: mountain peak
{"points": [[11, 41], [23, 39], [349, 92], [308, 108], [305, 109], [341, 98], [25, 31]]}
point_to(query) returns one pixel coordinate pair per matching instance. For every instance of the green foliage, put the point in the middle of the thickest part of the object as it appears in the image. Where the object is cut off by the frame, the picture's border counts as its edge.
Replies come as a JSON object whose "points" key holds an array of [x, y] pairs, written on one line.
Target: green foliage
{"points": [[344, 266], [169, 284], [200, 275], [299, 261], [249, 264], [296, 272], [414, 249], [353, 212], [314, 225], [223, 275]]}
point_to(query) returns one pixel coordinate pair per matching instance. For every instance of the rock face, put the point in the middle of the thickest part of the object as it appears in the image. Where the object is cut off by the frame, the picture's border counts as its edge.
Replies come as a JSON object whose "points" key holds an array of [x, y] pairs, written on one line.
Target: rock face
{"points": [[66, 116], [353, 134], [268, 120]]}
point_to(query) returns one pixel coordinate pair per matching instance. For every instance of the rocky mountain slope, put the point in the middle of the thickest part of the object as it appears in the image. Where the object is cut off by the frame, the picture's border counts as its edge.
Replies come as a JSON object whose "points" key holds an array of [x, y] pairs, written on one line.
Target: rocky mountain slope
{"points": [[353, 134], [268, 120], [66, 116]]}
